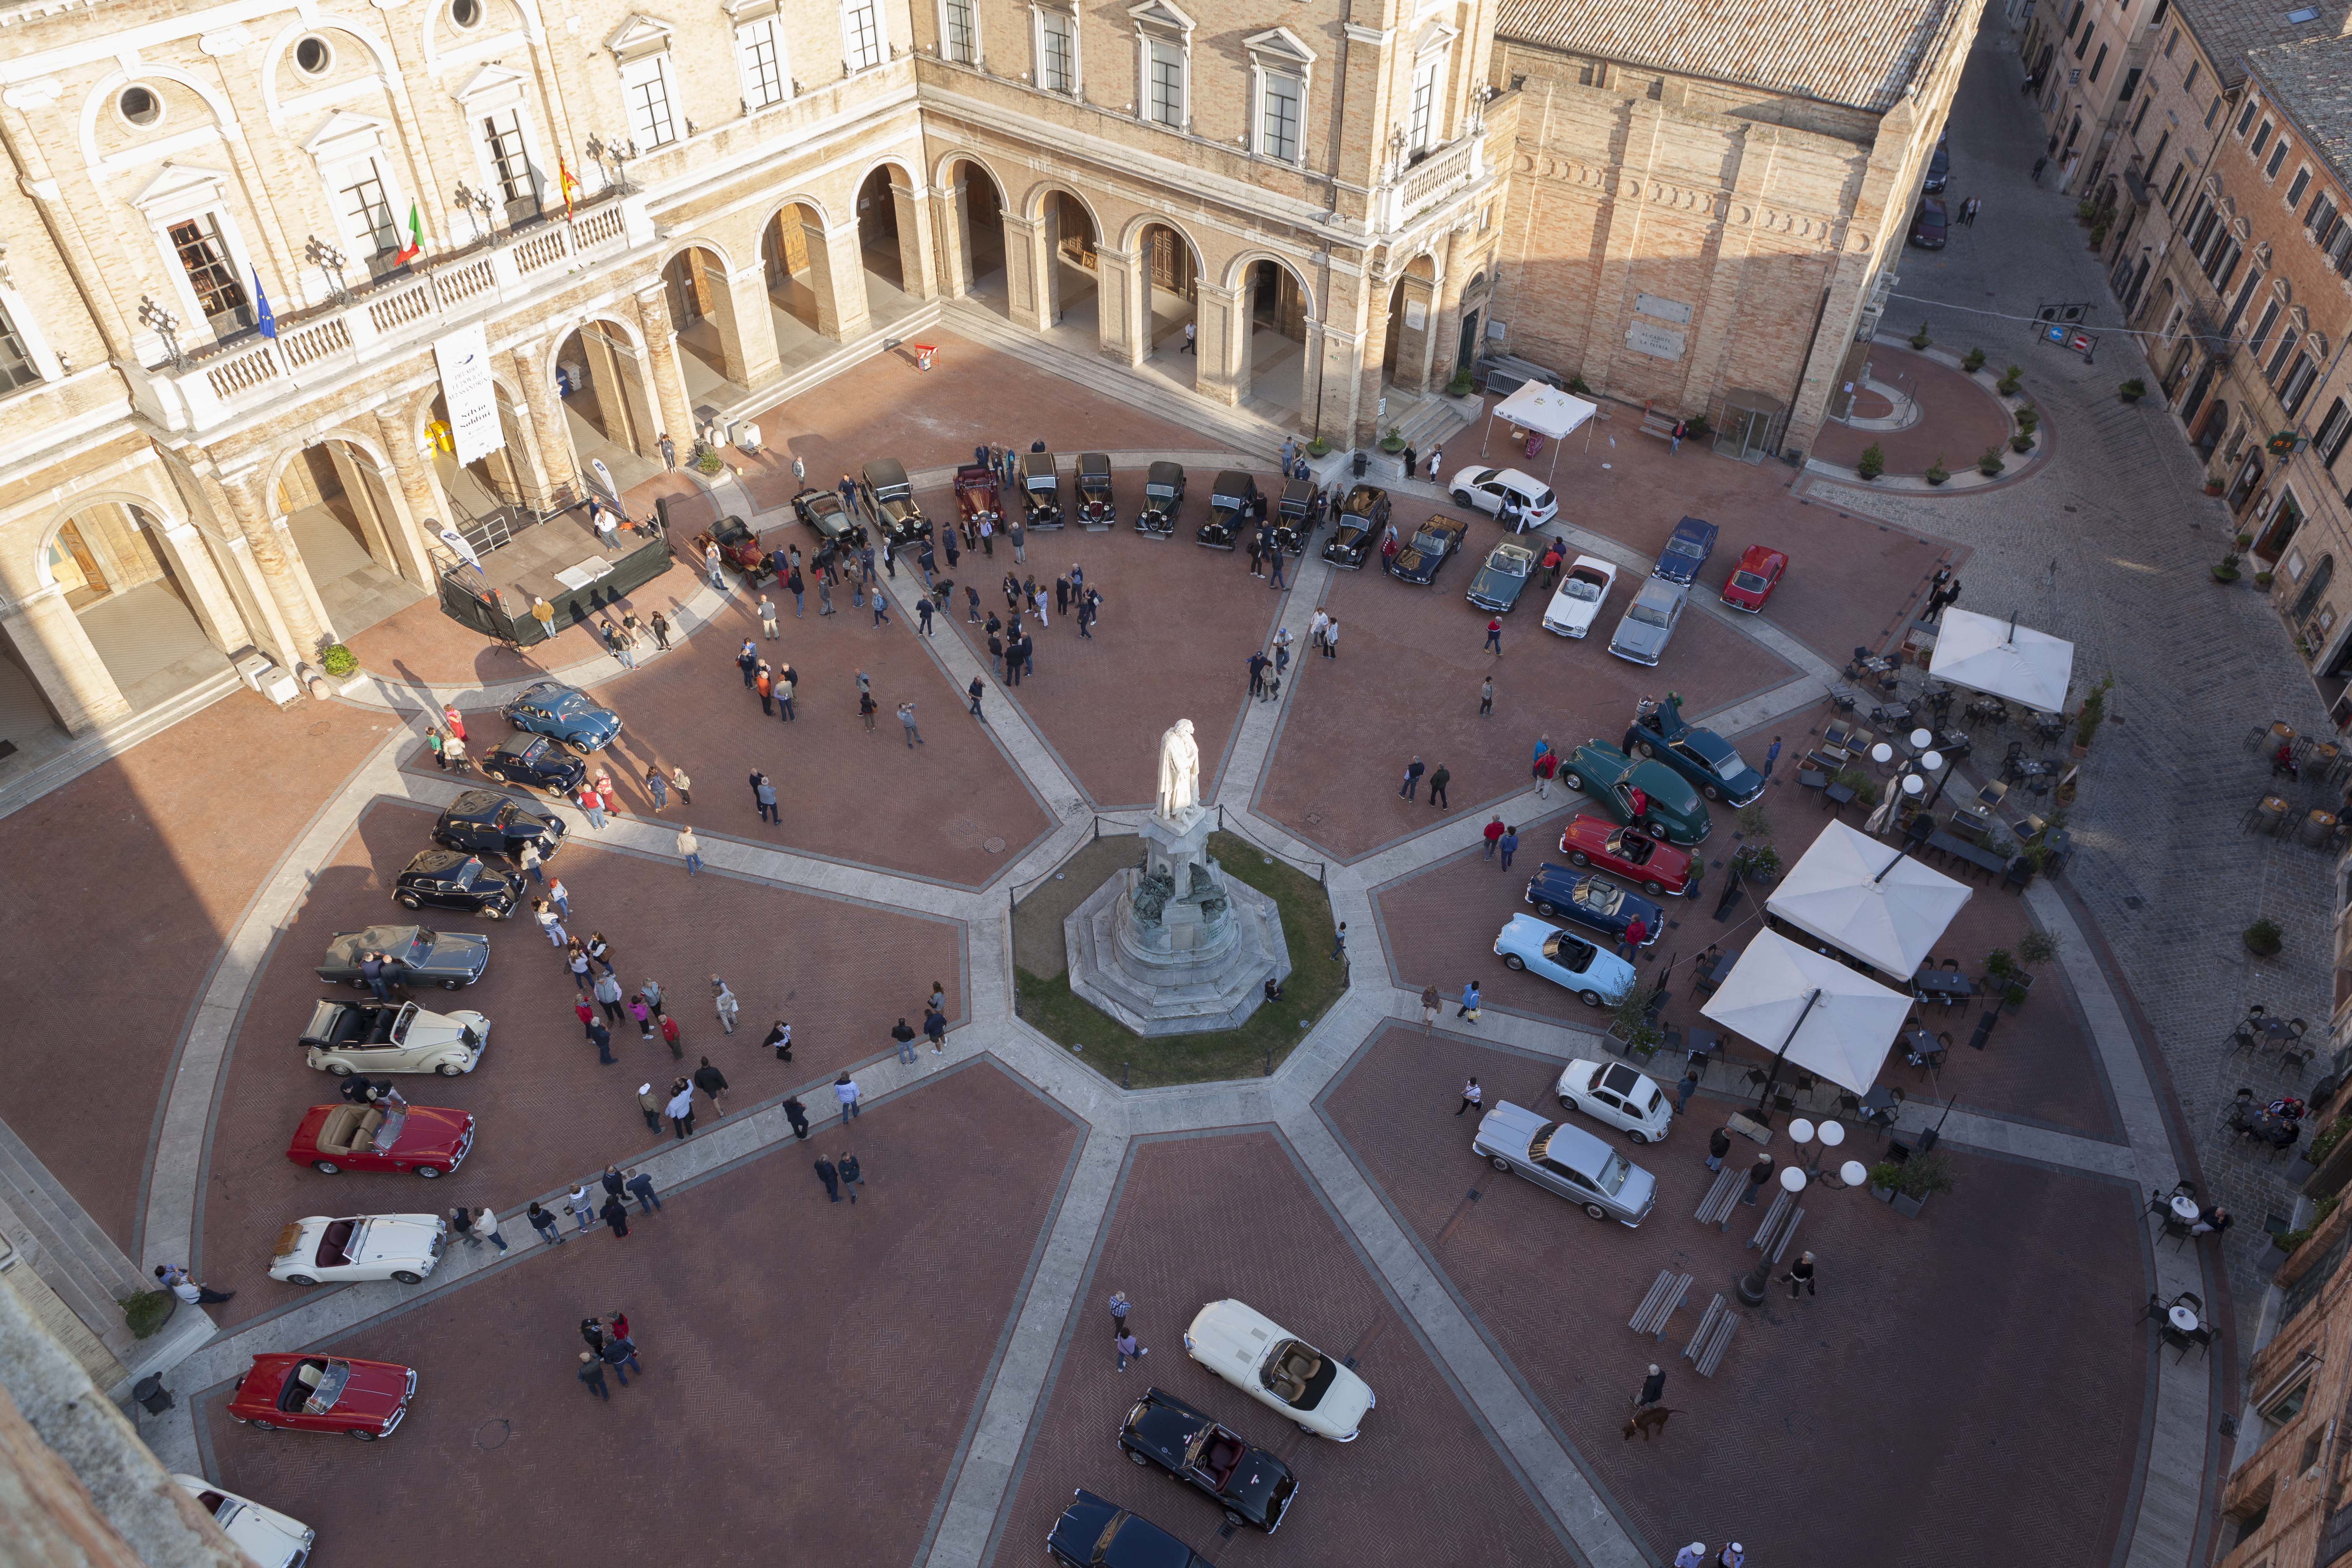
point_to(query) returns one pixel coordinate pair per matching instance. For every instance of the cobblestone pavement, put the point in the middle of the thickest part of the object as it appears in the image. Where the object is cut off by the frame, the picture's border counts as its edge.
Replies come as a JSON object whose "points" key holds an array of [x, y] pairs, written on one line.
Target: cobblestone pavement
{"points": [[2108, 545]]}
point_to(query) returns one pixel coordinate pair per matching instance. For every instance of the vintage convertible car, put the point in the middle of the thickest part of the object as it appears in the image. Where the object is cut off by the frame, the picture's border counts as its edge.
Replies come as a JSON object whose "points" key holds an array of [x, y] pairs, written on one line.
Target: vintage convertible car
{"points": [[425, 1139], [1672, 811], [419, 957], [1363, 521], [1281, 1371], [1499, 583], [1702, 756], [1583, 899], [1576, 603], [271, 1539], [1432, 545], [1234, 501], [739, 546], [1573, 963], [1163, 494], [564, 712], [1294, 516], [1251, 1485], [325, 1251], [293, 1392], [829, 518], [345, 1037], [1658, 869], [1095, 1532], [891, 500], [1097, 510], [533, 762], [484, 822], [978, 490], [449, 880], [1041, 490]]}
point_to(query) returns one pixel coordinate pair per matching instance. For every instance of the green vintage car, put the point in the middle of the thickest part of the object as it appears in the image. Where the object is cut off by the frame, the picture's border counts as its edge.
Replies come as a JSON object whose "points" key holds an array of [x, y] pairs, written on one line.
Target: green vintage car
{"points": [[1672, 811]]}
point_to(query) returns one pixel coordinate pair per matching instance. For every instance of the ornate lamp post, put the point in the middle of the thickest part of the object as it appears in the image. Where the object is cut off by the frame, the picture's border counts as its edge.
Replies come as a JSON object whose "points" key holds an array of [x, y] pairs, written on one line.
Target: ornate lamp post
{"points": [[478, 204], [329, 261], [164, 325]]}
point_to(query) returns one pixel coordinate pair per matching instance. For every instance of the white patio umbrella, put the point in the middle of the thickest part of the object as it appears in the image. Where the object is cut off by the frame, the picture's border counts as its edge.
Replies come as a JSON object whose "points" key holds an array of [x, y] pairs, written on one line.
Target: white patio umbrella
{"points": [[1546, 410], [1810, 1009], [2001, 659], [1864, 898]]}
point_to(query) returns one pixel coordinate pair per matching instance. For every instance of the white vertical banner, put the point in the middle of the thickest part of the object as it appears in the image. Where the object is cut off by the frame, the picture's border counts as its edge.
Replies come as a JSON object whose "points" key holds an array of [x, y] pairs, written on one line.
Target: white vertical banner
{"points": [[463, 357]]}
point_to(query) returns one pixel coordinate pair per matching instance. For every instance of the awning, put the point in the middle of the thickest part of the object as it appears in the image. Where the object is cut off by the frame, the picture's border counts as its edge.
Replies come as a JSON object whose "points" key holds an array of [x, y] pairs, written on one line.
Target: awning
{"points": [[2001, 659], [1842, 1022], [1864, 898], [1546, 410]]}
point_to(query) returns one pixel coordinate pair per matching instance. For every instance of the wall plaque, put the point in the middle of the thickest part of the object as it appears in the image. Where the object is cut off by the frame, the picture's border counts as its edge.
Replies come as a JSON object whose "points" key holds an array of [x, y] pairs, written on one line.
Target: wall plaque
{"points": [[1658, 342], [1665, 310]]}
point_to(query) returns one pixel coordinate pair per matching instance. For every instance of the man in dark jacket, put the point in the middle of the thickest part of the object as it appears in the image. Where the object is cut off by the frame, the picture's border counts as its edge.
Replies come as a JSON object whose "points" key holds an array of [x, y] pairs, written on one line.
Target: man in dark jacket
{"points": [[1654, 1388], [852, 1177], [615, 1213], [1718, 1144], [830, 1177], [905, 1038], [1412, 772], [712, 1082], [1760, 1176], [797, 1114]]}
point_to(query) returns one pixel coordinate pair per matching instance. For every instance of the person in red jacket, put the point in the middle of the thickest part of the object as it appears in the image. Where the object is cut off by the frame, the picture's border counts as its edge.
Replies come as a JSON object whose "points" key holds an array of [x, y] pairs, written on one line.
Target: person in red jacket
{"points": [[1493, 837]]}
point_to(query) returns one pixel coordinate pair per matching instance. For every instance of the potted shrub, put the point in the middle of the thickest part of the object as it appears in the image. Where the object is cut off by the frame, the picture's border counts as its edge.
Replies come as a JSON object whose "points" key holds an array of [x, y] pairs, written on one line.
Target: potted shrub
{"points": [[147, 1311], [1865, 788], [1696, 427], [1394, 440], [2212, 485], [1872, 462], [1914, 1180], [2022, 442], [1576, 385], [1631, 1026], [1460, 384], [1756, 862], [1974, 363], [1937, 472], [2085, 211], [2242, 540], [1990, 464], [2038, 946], [2089, 715], [340, 662], [2264, 938], [2263, 580], [1887, 1172], [2008, 384], [1318, 447], [2226, 570], [2132, 390], [1751, 821], [708, 460], [1920, 339], [2098, 236]]}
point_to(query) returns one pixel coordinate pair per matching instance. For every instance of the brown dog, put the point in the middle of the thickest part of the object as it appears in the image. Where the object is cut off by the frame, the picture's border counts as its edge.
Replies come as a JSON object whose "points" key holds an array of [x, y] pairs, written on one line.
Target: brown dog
{"points": [[1647, 1422]]}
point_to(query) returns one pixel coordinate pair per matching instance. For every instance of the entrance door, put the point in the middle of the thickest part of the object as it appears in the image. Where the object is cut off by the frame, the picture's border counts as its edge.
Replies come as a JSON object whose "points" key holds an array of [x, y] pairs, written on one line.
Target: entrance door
{"points": [[1467, 354], [1745, 435]]}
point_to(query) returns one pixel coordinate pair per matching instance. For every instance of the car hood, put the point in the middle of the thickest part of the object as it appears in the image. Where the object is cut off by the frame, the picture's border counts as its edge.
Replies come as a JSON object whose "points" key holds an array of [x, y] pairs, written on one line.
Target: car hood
{"points": [[431, 1129], [1260, 1478], [259, 1535], [1081, 1525], [1414, 565], [1639, 1193], [1353, 535], [1566, 610], [1345, 1402], [1640, 636], [1498, 588], [394, 1237], [376, 1388], [1165, 1430]]}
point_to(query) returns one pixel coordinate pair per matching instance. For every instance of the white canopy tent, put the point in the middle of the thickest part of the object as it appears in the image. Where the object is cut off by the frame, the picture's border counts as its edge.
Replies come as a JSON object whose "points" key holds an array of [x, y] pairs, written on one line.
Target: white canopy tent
{"points": [[1863, 898], [1546, 410], [1811, 1010], [2001, 659]]}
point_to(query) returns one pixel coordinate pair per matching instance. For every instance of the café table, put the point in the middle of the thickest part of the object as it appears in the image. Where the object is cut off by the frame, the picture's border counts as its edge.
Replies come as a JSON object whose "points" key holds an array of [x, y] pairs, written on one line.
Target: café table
{"points": [[1943, 984], [2184, 1320], [2184, 1208]]}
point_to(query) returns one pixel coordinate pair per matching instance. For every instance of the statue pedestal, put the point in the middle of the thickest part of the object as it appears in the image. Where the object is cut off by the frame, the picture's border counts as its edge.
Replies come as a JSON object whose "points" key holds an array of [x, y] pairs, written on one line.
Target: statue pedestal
{"points": [[1173, 946]]}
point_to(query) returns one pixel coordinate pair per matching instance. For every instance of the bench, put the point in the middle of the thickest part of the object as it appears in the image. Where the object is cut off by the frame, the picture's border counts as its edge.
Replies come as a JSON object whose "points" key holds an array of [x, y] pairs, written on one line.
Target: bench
{"points": [[1787, 1235], [1721, 1198], [1781, 1201], [1664, 1300], [1704, 1352], [1662, 425]]}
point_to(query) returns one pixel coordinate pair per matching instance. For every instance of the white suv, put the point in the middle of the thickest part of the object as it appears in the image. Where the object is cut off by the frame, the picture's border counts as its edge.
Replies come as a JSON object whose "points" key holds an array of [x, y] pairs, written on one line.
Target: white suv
{"points": [[1489, 489]]}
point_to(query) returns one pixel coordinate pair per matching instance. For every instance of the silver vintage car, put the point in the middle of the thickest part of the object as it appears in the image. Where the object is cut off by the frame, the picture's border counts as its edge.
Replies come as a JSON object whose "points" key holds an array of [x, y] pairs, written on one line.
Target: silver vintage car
{"points": [[1568, 1160], [1649, 621]]}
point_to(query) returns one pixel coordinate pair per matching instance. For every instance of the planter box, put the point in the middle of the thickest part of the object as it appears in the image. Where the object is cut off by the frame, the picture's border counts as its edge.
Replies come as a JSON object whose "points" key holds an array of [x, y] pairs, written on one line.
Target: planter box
{"points": [[1907, 1207], [1883, 1194], [354, 683]]}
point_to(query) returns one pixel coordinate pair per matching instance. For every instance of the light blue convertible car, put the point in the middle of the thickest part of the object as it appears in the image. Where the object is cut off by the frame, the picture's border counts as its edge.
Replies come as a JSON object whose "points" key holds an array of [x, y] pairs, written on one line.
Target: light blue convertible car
{"points": [[1538, 947]]}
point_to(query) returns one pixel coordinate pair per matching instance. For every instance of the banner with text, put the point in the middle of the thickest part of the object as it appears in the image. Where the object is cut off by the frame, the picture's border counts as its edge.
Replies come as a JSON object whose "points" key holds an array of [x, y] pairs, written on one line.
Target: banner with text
{"points": [[463, 357]]}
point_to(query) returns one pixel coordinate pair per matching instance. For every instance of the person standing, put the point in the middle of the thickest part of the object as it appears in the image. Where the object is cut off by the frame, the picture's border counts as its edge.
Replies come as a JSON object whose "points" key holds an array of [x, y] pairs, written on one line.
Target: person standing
{"points": [[1493, 835], [1771, 755], [1733, 1556], [683, 784], [1759, 1175], [781, 1037], [866, 709], [593, 804], [935, 1029], [1653, 1389], [602, 1038], [1412, 462], [1315, 628], [659, 626], [1472, 1097], [592, 1372], [725, 1001], [651, 1104], [1430, 1003], [528, 860], [668, 450], [923, 615], [658, 786], [485, 1228], [1692, 1556], [1412, 772], [433, 740], [768, 617], [1020, 535], [582, 1207], [1436, 454], [621, 1351], [1128, 1348], [1718, 1145], [797, 1114], [1546, 766], [1799, 1276], [550, 1228], [830, 1177], [615, 1214], [670, 1034], [608, 996], [907, 719], [1332, 637], [1469, 1011], [844, 1090], [1281, 641], [1494, 635], [712, 1082], [853, 1176], [1637, 933], [641, 1187], [690, 849], [1487, 698], [1685, 1090], [1437, 782], [1339, 942], [765, 792], [680, 1109], [1257, 662], [644, 1015], [1275, 579]]}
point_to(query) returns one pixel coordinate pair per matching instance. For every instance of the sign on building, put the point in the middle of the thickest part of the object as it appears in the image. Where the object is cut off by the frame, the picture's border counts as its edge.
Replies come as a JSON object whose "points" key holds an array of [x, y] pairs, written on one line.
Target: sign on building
{"points": [[467, 388], [1658, 342], [1665, 310]]}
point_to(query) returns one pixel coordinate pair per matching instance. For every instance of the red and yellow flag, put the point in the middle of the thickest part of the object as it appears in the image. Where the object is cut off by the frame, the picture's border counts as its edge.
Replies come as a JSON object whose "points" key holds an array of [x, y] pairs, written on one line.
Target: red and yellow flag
{"points": [[570, 186]]}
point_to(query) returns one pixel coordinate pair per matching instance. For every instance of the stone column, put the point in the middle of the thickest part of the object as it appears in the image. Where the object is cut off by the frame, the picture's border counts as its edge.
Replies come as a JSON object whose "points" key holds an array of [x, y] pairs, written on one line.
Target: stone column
{"points": [[420, 486], [1334, 414], [839, 274], [951, 240], [199, 577], [914, 217], [1371, 386], [1026, 285], [549, 437], [1413, 345], [673, 409], [298, 627], [1310, 378], [62, 662], [1445, 331], [392, 537], [1122, 310], [1220, 340], [747, 329]]}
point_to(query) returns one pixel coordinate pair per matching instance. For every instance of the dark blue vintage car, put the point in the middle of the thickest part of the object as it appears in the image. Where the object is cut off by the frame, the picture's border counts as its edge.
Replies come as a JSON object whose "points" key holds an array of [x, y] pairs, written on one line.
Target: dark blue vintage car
{"points": [[533, 762], [564, 713], [1431, 547], [1688, 548], [1250, 1484], [1095, 1532], [1702, 756], [1581, 898]]}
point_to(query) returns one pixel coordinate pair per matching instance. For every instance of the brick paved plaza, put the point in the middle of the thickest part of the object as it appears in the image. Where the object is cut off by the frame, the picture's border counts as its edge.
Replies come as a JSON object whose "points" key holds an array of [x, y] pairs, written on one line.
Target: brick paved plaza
{"points": [[922, 1378]]}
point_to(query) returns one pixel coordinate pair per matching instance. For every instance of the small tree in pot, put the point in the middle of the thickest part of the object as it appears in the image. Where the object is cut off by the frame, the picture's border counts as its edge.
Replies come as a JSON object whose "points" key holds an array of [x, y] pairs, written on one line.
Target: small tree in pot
{"points": [[1937, 472], [1630, 1023], [1872, 463], [2132, 390], [2264, 938], [1990, 464], [1910, 1182]]}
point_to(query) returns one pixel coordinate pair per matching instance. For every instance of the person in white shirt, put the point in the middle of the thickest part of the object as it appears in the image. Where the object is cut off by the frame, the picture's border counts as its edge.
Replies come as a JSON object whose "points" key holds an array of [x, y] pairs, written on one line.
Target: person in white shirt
{"points": [[690, 848], [844, 1089], [1692, 1556], [680, 1109], [176, 1281]]}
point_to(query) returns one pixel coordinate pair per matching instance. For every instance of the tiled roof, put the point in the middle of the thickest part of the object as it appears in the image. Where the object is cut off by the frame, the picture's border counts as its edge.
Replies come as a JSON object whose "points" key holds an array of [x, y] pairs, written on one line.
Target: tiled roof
{"points": [[1863, 55], [2312, 78], [2231, 29]]}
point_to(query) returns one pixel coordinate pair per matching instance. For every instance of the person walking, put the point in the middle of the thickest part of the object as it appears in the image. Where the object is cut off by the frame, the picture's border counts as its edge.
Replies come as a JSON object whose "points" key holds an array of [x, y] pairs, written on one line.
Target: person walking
{"points": [[712, 1082], [640, 1186], [781, 1037], [1275, 579], [658, 786], [1472, 1097], [651, 1104], [1685, 1090], [433, 740], [528, 859], [485, 1228], [797, 1114], [923, 615], [592, 1372], [1771, 755], [1692, 1556], [1339, 942], [1733, 1556], [690, 849], [881, 608], [725, 1001], [683, 784], [1487, 698], [853, 1176], [844, 1090], [1430, 1003], [1412, 772], [765, 793], [1653, 1389], [1469, 1011], [1758, 1176], [615, 1214], [581, 1208], [1281, 641], [1718, 1145], [1315, 628], [830, 1177], [907, 719], [866, 709], [1799, 1276], [1332, 637], [973, 691], [1493, 835], [768, 617], [1637, 934], [559, 896], [1128, 1348], [551, 1230], [935, 1029], [1120, 1308], [453, 751], [1437, 782], [1495, 634], [1258, 663], [1189, 328], [680, 1109], [659, 626]]}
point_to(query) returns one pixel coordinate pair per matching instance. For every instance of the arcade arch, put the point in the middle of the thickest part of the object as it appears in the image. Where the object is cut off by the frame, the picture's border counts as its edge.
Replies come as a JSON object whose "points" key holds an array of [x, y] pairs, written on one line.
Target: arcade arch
{"points": [[365, 563]]}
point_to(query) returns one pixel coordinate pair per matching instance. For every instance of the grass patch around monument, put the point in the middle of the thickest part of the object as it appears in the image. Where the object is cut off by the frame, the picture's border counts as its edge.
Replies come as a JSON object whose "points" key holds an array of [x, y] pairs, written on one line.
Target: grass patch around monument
{"points": [[1049, 1005]]}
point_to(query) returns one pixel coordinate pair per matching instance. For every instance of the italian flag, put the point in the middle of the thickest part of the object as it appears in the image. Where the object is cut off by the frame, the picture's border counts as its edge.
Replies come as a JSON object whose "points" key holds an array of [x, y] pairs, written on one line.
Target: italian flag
{"points": [[416, 237]]}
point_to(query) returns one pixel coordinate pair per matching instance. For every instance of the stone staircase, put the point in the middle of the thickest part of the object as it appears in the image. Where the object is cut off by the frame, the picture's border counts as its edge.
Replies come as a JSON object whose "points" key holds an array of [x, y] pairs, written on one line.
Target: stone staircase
{"points": [[66, 1247]]}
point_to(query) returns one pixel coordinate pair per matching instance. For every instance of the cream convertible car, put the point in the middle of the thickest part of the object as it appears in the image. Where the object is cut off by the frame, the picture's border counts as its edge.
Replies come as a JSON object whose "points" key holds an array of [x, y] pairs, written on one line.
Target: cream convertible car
{"points": [[324, 1250], [347, 1038], [1261, 1358]]}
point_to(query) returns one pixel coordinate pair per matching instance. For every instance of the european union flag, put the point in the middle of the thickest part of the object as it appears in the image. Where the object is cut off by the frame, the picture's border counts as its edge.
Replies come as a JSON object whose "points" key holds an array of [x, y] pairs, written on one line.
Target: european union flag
{"points": [[268, 321]]}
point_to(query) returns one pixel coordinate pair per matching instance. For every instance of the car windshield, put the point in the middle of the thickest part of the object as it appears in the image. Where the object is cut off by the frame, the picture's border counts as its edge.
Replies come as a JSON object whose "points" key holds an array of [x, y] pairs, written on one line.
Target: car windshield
{"points": [[1647, 615], [1597, 897], [1231, 503], [1684, 547], [329, 1389], [1730, 765], [466, 873], [1511, 561], [419, 950], [387, 1132], [1544, 498], [1582, 588], [1567, 951], [510, 815], [1158, 491], [1429, 542], [1629, 847], [1614, 1174], [1749, 583]]}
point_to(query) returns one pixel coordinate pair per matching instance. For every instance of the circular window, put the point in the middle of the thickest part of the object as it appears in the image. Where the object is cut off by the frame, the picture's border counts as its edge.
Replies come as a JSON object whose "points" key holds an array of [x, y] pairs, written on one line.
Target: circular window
{"points": [[466, 14], [312, 57], [140, 106]]}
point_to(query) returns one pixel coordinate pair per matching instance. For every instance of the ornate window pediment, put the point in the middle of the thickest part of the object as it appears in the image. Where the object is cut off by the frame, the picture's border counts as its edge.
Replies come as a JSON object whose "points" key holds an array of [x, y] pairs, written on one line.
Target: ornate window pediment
{"points": [[492, 87], [1279, 46], [344, 135], [638, 36], [1160, 15], [179, 189]]}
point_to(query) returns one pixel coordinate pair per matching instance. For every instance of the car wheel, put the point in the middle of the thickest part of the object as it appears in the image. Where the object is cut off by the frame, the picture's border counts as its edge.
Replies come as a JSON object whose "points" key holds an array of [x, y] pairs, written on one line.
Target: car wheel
{"points": [[1638, 1137], [363, 1436], [1310, 1431], [325, 1167], [1710, 792], [301, 1279], [1645, 749], [450, 984], [1592, 998], [1571, 781], [408, 1276], [1462, 498], [429, 1172], [1498, 1162], [265, 1426], [448, 1070], [516, 725], [1596, 1211], [408, 901], [1513, 961], [358, 984], [1234, 1520], [1654, 889], [1545, 910], [1140, 1459], [1579, 857], [338, 1070]]}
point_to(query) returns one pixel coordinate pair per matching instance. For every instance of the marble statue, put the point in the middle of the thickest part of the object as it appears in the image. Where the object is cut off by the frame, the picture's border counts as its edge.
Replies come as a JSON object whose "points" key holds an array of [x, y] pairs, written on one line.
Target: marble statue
{"points": [[1179, 771]]}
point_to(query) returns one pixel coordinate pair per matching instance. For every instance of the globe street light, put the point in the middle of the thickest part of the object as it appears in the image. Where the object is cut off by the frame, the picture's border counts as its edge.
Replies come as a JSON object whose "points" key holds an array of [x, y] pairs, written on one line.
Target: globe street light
{"points": [[1757, 1280]]}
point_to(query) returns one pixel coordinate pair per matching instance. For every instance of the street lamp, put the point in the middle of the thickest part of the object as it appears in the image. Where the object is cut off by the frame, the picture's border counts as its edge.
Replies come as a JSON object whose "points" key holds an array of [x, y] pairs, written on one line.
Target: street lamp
{"points": [[164, 325], [475, 204], [329, 261], [1757, 1280]]}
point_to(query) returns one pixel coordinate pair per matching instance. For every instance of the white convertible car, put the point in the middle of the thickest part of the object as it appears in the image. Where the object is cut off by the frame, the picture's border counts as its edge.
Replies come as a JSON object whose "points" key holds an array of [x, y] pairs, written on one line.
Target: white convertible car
{"points": [[347, 1038], [1281, 1371], [324, 1250], [268, 1537], [1577, 605]]}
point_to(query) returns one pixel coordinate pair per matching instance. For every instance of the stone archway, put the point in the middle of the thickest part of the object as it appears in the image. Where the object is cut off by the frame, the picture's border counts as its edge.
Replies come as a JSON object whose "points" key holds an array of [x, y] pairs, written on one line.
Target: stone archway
{"points": [[974, 239], [1168, 299], [1057, 270], [366, 561], [816, 290], [1270, 373], [146, 595], [604, 383], [714, 358], [1407, 342]]}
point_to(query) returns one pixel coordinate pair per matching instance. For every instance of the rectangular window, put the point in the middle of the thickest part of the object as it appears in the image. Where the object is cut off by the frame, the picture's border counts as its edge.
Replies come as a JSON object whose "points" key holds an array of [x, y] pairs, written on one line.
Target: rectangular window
{"points": [[2262, 139], [861, 33], [961, 41], [1421, 122], [2279, 359], [1167, 102], [2213, 113], [2155, 159], [2261, 332], [2141, 118], [1278, 118], [2278, 156], [2173, 183], [759, 62], [2298, 385], [2074, 18], [2294, 191], [2083, 44], [2189, 83], [2333, 432], [2248, 117], [205, 256], [2156, 18], [2226, 256], [17, 365], [645, 87], [1057, 65], [510, 163], [369, 209], [2323, 212], [2172, 42], [2100, 64]]}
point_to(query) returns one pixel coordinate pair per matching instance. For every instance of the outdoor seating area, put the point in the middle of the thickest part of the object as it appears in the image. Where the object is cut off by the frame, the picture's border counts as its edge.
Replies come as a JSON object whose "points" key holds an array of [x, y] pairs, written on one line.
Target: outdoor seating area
{"points": [[2309, 791], [2181, 1321]]}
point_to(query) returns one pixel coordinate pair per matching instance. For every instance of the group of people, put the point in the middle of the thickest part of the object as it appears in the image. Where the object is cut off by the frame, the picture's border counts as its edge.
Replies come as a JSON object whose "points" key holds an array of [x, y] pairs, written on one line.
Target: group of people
{"points": [[611, 1347]]}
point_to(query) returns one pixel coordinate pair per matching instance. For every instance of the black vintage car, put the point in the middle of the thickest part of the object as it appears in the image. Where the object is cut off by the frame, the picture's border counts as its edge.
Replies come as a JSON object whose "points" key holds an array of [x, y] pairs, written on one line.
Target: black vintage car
{"points": [[891, 502], [1163, 494], [420, 957], [1294, 516], [446, 879], [1431, 547], [1363, 521], [1095, 1532], [533, 762], [1250, 1484], [483, 822], [1096, 510], [829, 517], [1041, 490], [1233, 505]]}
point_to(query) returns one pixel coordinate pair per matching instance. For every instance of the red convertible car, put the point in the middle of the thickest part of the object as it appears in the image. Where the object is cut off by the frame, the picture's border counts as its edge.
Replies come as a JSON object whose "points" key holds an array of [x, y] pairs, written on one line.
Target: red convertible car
{"points": [[738, 546], [292, 1391], [1752, 581], [425, 1139], [1658, 869]]}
